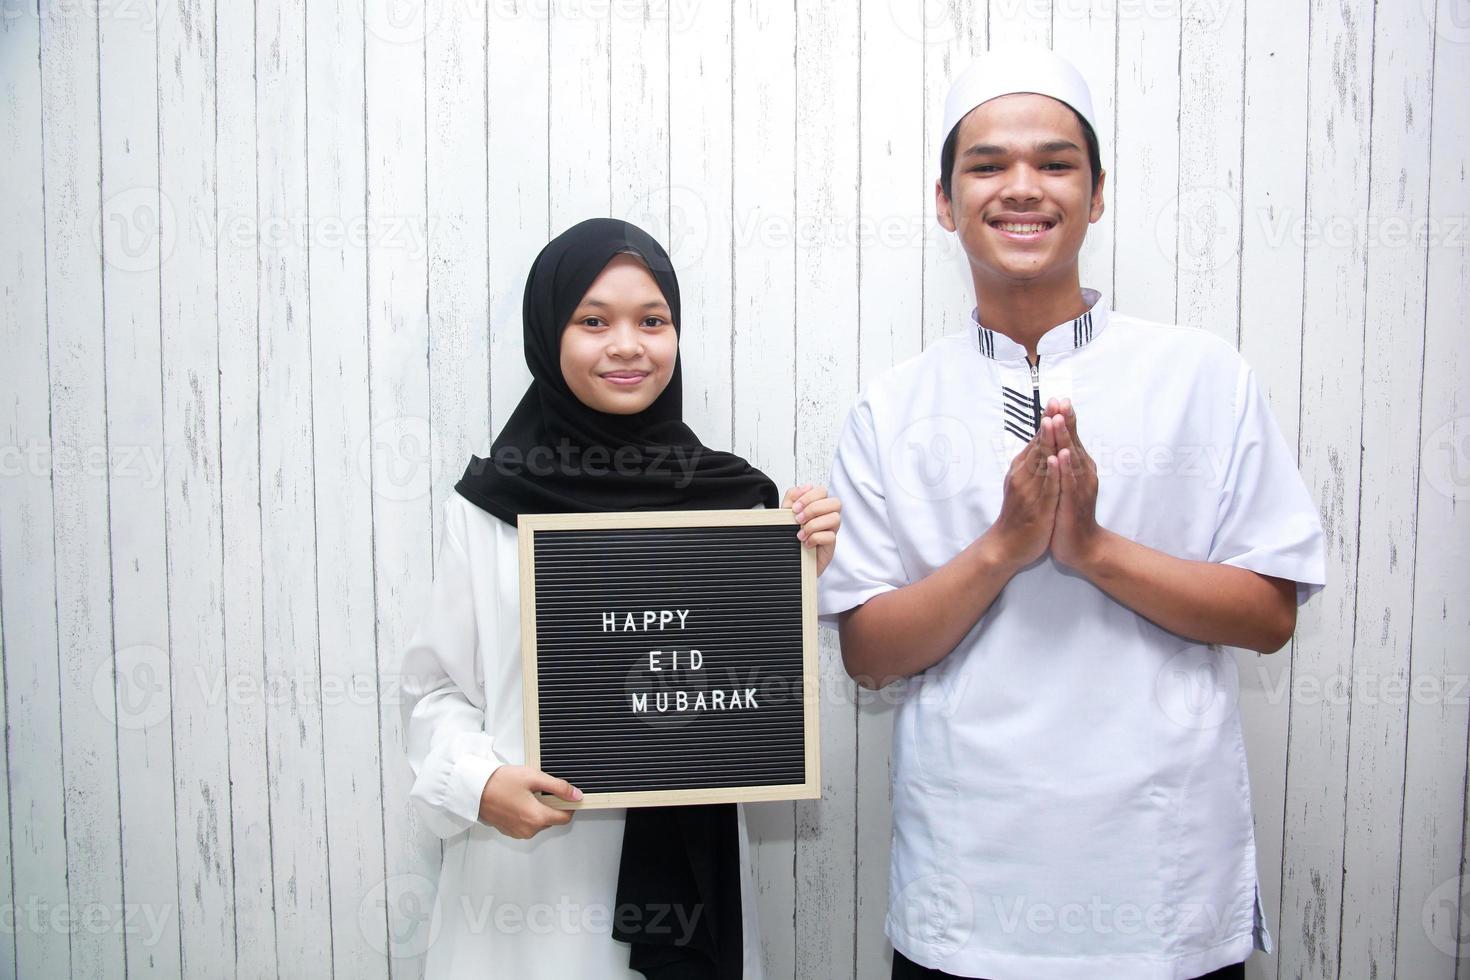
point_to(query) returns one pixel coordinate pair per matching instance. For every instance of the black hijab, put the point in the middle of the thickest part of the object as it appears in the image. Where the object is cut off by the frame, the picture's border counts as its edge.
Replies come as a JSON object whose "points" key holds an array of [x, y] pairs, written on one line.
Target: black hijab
{"points": [[541, 464], [679, 864]]}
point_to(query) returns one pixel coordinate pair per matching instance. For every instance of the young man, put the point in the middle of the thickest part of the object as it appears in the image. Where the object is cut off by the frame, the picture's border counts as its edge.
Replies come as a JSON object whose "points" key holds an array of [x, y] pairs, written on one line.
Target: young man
{"points": [[1055, 517]]}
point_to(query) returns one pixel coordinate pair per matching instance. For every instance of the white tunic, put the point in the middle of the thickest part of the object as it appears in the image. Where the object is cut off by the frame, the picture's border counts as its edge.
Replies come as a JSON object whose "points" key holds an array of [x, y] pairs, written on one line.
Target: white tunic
{"points": [[1070, 796], [520, 909]]}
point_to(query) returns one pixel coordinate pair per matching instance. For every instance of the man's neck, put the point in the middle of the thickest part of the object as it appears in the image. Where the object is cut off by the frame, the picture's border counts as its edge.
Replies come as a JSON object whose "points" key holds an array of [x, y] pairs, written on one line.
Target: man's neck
{"points": [[1024, 310]]}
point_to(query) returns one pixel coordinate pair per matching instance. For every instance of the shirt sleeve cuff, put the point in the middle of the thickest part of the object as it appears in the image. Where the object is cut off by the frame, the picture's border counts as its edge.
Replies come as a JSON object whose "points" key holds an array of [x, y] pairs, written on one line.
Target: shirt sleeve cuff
{"points": [[467, 784]]}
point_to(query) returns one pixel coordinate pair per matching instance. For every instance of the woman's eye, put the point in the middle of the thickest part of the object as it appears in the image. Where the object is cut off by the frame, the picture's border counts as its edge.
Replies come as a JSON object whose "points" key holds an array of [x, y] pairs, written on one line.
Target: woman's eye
{"points": [[591, 321], [653, 322]]}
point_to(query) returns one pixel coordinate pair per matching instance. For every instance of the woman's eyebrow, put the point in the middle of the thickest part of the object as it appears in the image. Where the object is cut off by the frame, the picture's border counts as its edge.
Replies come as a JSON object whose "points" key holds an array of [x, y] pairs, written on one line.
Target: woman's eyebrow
{"points": [[652, 304], [1044, 146]]}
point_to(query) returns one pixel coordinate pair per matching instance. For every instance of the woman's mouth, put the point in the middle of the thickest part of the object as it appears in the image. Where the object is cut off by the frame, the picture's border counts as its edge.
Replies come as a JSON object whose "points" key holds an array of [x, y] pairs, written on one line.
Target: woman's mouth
{"points": [[625, 379]]}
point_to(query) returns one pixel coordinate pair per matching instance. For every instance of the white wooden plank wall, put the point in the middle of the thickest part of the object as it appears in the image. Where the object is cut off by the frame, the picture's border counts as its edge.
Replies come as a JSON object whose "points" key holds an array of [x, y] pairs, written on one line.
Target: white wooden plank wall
{"points": [[262, 269]]}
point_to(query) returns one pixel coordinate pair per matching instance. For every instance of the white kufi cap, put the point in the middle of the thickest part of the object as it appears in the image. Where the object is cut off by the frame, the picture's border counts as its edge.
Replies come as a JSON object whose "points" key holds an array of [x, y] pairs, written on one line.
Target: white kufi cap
{"points": [[1013, 70]]}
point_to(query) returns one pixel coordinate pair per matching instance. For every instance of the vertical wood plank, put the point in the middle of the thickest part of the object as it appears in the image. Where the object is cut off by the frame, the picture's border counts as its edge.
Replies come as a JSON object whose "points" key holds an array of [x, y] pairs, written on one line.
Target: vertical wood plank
{"points": [[87, 773], [1271, 298], [1144, 272], [458, 162], [1206, 208], [638, 45], [194, 537], [1432, 937], [399, 400], [1338, 73], [700, 238], [763, 287], [38, 861], [139, 235], [580, 119], [827, 211], [518, 192], [243, 578], [1398, 167], [896, 208], [951, 33], [288, 512], [336, 190], [1087, 35], [236, 257]]}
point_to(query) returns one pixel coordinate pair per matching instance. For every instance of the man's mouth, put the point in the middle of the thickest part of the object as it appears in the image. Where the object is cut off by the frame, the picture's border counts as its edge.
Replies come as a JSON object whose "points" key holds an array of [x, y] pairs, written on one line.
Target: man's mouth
{"points": [[1023, 230]]}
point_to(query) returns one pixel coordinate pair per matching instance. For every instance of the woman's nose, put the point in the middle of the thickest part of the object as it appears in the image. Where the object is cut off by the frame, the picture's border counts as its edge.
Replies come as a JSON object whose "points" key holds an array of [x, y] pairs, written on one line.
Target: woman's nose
{"points": [[624, 341]]}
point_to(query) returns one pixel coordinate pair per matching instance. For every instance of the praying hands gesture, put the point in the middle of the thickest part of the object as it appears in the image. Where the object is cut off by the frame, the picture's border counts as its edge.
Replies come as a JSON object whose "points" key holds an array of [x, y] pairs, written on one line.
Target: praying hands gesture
{"points": [[1050, 494], [1049, 505]]}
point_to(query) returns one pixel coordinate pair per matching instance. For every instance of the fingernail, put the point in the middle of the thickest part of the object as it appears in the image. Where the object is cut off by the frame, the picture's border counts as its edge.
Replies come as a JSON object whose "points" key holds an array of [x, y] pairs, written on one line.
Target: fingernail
{"points": [[797, 508], [576, 793]]}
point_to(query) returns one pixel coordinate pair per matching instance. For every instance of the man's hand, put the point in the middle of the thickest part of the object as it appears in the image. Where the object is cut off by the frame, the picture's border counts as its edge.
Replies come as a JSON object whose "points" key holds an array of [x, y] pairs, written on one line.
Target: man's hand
{"points": [[1076, 535], [509, 804], [1029, 502]]}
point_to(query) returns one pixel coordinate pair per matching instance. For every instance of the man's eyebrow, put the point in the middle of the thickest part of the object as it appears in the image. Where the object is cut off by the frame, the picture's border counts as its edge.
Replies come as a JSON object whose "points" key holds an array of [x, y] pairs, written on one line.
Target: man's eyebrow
{"points": [[1045, 146]]}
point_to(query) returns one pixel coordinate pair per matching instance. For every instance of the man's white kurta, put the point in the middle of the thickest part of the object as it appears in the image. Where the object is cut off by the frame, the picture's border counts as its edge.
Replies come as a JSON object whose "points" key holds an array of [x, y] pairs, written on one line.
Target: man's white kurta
{"points": [[1070, 796], [519, 909]]}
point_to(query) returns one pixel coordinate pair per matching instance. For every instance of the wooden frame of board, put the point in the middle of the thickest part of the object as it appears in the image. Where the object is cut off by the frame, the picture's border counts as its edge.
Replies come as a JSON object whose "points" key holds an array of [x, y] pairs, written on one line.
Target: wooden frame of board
{"points": [[809, 789]]}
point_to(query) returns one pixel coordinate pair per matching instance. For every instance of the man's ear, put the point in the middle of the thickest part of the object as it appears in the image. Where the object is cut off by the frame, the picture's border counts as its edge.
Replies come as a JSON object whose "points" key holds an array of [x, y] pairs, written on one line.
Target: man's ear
{"points": [[1096, 211], [941, 207]]}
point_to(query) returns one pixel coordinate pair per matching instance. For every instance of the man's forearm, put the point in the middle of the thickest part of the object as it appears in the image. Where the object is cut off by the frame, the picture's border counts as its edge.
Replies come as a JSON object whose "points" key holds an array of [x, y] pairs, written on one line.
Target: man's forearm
{"points": [[900, 633], [1202, 601]]}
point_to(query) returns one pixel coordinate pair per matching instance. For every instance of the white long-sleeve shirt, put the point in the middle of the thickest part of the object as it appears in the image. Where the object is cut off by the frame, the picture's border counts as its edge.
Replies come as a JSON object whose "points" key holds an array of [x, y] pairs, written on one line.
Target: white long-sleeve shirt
{"points": [[519, 909], [1070, 795]]}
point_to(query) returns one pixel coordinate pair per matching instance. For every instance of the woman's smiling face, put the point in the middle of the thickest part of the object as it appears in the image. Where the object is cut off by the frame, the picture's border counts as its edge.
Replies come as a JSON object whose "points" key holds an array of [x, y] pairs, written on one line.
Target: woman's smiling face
{"points": [[619, 348], [1021, 188]]}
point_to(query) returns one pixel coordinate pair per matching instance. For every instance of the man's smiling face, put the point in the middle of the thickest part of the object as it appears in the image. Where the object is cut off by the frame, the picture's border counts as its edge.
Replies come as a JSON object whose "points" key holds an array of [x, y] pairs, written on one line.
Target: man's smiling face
{"points": [[1021, 190]]}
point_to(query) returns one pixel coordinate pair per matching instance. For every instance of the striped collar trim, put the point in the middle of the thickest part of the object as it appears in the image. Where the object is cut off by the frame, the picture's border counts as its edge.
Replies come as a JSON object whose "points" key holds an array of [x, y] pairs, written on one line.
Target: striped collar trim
{"points": [[1066, 336]]}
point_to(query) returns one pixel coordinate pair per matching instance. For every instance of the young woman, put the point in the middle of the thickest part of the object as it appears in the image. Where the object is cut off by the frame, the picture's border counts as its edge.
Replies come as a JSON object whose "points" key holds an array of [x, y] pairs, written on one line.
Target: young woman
{"points": [[527, 890]]}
